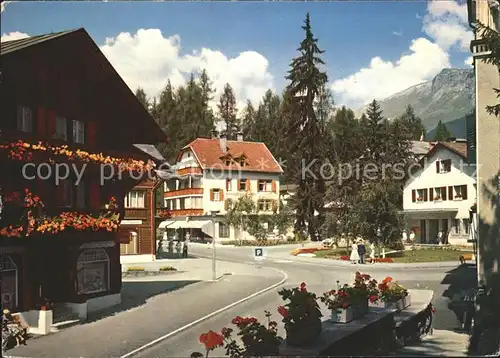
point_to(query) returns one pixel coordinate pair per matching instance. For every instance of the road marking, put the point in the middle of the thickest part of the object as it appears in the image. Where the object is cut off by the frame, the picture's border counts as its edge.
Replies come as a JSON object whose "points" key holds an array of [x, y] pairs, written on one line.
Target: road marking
{"points": [[210, 315], [283, 261]]}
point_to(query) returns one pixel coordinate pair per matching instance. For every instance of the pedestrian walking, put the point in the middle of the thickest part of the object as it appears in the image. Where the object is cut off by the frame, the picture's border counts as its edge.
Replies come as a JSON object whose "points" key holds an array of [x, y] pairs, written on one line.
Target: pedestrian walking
{"points": [[185, 249], [372, 252], [361, 251], [354, 253], [178, 248], [170, 248]]}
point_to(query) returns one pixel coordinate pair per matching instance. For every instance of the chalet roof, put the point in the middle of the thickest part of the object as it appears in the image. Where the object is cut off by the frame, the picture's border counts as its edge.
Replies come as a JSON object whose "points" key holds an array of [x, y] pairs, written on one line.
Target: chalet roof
{"points": [[459, 148], [151, 150], [124, 102], [420, 147], [258, 156], [15, 45]]}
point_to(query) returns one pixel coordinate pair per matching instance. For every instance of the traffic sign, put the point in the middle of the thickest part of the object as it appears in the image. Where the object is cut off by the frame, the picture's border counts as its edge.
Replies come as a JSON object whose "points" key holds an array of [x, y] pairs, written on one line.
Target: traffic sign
{"points": [[258, 253]]}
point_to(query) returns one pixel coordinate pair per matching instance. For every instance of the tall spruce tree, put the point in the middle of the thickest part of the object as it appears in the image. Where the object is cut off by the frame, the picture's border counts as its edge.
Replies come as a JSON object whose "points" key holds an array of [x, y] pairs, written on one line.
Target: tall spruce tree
{"points": [[248, 121], [305, 133], [413, 123], [442, 133], [141, 96], [228, 111]]}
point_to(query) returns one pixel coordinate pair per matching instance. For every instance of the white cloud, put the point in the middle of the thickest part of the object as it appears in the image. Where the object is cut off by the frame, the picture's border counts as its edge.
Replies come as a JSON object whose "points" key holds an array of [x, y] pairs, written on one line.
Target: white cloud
{"points": [[16, 35], [147, 59], [445, 23], [397, 33], [384, 78], [468, 61]]}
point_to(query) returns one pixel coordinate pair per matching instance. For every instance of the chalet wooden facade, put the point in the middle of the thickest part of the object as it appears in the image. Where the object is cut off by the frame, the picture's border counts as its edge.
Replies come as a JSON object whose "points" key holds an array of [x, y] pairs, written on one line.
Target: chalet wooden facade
{"points": [[138, 228], [64, 106]]}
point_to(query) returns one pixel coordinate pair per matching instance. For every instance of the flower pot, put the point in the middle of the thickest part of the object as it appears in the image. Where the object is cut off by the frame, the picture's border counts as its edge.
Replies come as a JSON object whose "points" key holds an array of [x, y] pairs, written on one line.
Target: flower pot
{"points": [[400, 304], [354, 311], [304, 332]]}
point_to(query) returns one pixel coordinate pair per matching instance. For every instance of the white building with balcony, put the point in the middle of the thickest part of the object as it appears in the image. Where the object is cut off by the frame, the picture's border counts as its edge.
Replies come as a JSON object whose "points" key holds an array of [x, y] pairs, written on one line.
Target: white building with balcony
{"points": [[211, 174], [438, 195]]}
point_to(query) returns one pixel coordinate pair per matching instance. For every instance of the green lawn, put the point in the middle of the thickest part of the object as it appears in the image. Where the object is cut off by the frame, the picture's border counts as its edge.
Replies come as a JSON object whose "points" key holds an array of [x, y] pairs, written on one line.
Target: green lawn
{"points": [[429, 255], [422, 255]]}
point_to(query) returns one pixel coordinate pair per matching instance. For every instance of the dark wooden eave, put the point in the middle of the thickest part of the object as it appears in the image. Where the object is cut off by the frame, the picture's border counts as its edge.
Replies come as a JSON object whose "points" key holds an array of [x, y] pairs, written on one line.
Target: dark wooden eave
{"points": [[127, 108]]}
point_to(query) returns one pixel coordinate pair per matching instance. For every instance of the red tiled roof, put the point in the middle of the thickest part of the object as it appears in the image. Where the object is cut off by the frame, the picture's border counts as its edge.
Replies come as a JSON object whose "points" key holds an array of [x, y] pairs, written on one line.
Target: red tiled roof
{"points": [[258, 156]]}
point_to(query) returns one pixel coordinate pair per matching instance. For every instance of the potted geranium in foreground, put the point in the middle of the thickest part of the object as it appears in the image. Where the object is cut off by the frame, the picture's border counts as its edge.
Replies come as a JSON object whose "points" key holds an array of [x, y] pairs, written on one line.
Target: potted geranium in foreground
{"points": [[301, 315], [393, 295], [350, 302]]}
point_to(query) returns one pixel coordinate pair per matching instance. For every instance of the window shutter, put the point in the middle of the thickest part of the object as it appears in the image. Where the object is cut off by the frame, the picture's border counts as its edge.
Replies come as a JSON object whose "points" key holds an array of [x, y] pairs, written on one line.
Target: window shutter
{"points": [[247, 185], [464, 192], [413, 196], [95, 196], [211, 195], [238, 183], [41, 121], [228, 183], [51, 129], [443, 193], [450, 192], [92, 131], [425, 194], [437, 166], [273, 186], [225, 205], [431, 194], [275, 205], [221, 195]]}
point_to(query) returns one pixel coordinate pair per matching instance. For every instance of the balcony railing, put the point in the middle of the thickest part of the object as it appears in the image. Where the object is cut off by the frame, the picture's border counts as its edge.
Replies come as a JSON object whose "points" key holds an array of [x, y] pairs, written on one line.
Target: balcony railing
{"points": [[185, 191], [166, 213], [189, 170], [136, 213]]}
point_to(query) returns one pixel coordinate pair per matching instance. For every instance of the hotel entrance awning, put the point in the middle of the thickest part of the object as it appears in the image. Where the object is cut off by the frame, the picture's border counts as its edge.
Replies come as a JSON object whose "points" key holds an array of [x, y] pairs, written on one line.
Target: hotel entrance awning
{"points": [[204, 225]]}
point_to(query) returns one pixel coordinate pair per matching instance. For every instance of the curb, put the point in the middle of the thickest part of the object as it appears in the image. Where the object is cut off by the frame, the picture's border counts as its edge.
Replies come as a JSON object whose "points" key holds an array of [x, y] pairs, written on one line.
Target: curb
{"points": [[210, 315], [442, 264]]}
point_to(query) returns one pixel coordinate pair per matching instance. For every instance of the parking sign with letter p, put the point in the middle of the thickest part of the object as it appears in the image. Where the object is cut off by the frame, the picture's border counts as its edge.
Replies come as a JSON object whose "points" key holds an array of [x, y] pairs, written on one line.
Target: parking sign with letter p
{"points": [[258, 253]]}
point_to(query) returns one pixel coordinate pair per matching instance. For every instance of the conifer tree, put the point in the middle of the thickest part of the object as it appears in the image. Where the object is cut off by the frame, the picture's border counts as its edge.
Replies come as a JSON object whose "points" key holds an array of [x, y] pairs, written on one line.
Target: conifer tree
{"points": [[413, 123], [141, 96], [228, 111], [305, 134], [248, 121], [442, 133]]}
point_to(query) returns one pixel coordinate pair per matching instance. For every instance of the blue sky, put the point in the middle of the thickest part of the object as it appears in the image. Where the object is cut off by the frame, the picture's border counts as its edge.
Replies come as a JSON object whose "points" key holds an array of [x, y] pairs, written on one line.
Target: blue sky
{"points": [[351, 33]]}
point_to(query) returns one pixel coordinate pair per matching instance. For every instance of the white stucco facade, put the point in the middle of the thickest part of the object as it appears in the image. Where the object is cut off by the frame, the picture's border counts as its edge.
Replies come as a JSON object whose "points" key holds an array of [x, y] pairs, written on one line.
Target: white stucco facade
{"points": [[438, 198]]}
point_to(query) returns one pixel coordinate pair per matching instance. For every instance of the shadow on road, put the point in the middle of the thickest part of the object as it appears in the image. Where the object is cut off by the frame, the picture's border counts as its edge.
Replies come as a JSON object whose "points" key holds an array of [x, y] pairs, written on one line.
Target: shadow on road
{"points": [[135, 294], [462, 282]]}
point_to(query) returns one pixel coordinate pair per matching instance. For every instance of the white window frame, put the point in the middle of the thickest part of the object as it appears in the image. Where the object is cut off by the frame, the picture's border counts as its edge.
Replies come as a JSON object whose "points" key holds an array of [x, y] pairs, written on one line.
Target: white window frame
{"points": [[24, 119], [216, 194], [265, 185], [244, 180], [437, 192], [267, 205], [457, 191], [135, 199], [61, 128], [78, 132], [442, 167], [224, 228], [93, 256], [420, 194]]}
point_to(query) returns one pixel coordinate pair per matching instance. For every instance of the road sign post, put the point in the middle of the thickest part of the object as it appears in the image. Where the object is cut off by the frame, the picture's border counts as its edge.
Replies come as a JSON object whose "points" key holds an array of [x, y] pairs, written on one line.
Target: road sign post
{"points": [[258, 254]]}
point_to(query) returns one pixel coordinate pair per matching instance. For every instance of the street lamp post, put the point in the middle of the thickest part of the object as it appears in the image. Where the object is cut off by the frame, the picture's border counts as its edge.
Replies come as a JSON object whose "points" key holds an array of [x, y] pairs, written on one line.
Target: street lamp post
{"points": [[214, 215]]}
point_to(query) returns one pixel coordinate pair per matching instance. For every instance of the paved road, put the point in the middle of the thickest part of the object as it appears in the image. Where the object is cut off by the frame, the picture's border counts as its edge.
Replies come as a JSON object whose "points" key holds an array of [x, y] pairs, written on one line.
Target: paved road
{"points": [[320, 277]]}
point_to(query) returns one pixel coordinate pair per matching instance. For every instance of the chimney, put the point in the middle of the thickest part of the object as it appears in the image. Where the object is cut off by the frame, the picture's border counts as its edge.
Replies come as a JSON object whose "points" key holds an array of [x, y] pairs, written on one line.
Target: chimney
{"points": [[223, 143], [214, 134], [239, 136]]}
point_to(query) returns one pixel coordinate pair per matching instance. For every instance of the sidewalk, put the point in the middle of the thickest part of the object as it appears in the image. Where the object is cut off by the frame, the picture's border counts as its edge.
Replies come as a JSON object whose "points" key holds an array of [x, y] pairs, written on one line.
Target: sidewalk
{"points": [[200, 269], [149, 310], [441, 343]]}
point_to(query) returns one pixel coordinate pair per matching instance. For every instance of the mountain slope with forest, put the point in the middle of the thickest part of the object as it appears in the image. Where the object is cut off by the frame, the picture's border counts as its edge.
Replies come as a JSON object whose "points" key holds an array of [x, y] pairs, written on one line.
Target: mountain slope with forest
{"points": [[449, 97]]}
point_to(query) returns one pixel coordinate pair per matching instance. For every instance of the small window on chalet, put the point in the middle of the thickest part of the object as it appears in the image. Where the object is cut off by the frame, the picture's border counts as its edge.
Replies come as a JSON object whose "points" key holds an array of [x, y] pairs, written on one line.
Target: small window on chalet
{"points": [[24, 119], [61, 128], [242, 163], [216, 195], [78, 132], [265, 185], [242, 185], [265, 205], [135, 199], [228, 162], [443, 166]]}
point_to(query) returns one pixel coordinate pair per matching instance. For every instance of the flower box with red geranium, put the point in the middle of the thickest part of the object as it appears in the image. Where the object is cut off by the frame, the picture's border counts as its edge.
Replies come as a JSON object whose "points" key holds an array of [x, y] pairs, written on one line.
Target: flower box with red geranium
{"points": [[301, 315], [393, 295], [350, 302]]}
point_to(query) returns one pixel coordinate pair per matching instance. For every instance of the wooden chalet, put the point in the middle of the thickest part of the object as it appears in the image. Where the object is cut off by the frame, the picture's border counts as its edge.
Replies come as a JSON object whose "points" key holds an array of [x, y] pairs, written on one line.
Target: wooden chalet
{"points": [[64, 104]]}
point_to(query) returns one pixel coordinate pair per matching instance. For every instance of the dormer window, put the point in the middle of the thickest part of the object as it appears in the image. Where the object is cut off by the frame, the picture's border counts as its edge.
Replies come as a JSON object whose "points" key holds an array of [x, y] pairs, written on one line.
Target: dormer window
{"points": [[443, 166], [242, 163], [228, 162]]}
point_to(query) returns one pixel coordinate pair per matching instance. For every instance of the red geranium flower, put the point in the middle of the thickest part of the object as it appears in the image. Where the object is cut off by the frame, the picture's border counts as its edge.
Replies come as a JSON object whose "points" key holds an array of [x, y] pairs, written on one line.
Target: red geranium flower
{"points": [[283, 311], [211, 340]]}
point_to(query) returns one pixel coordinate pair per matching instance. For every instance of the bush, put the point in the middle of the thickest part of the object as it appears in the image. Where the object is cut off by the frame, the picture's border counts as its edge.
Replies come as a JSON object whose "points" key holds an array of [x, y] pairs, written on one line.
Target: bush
{"points": [[135, 269], [398, 245], [167, 268]]}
